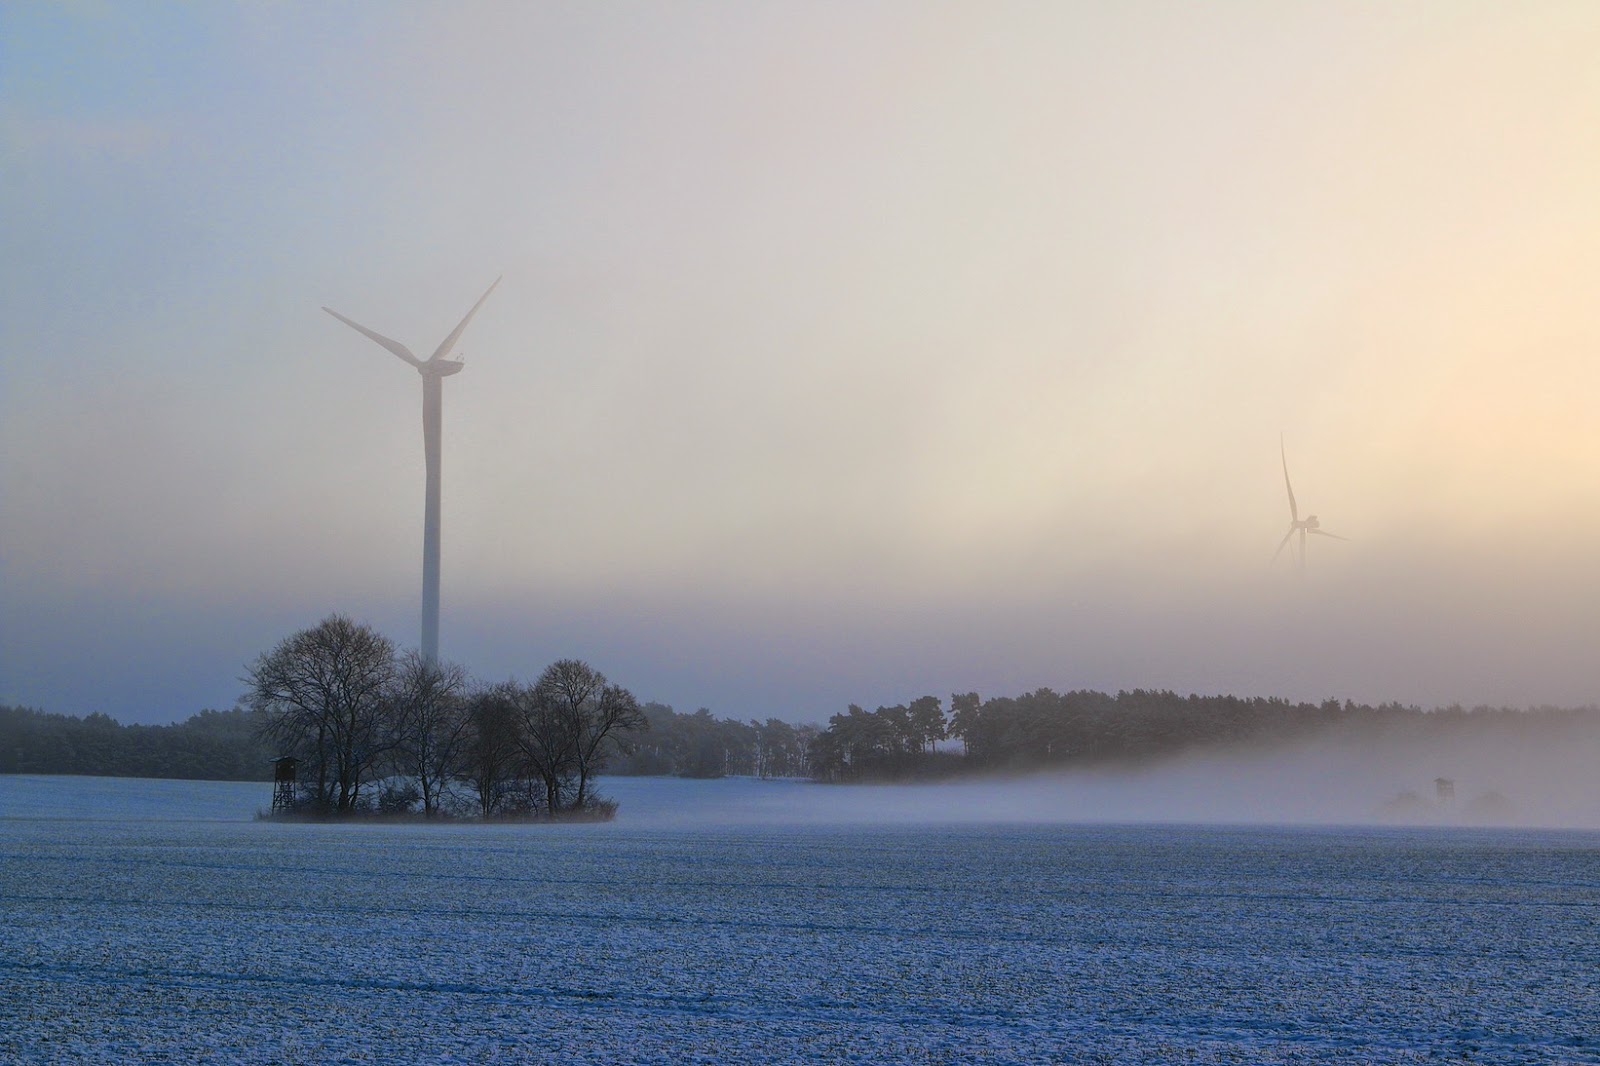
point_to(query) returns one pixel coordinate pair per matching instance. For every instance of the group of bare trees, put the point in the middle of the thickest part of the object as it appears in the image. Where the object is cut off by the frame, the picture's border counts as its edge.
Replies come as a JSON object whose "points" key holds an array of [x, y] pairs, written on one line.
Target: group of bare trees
{"points": [[354, 712], [539, 746]]}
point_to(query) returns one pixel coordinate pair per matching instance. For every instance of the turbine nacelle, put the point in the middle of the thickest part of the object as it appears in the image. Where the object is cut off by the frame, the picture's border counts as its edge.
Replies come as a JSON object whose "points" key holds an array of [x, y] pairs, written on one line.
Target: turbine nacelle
{"points": [[440, 368], [436, 366]]}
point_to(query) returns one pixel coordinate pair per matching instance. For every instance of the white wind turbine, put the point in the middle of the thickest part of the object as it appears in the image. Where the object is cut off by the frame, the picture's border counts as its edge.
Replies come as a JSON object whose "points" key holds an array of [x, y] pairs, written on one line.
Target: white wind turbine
{"points": [[1303, 526], [433, 372]]}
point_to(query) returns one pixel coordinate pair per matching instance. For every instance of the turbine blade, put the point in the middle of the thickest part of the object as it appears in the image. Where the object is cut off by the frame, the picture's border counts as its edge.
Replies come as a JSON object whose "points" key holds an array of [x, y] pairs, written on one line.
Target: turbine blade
{"points": [[1325, 533], [1282, 543], [1294, 510], [455, 335], [394, 346]]}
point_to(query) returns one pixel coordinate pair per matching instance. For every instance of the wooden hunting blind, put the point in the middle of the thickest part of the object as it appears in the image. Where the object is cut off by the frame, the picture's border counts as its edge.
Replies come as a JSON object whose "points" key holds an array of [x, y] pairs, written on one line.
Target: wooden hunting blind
{"points": [[283, 782]]}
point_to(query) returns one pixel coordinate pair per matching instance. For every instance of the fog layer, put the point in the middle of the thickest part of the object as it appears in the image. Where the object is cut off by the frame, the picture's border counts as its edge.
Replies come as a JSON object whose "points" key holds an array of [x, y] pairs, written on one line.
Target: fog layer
{"points": [[1504, 779]]}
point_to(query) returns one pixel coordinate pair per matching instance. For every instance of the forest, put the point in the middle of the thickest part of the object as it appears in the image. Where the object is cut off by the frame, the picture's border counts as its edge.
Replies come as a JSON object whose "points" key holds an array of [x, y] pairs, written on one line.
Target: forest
{"points": [[211, 745], [701, 745], [1046, 730], [231, 745]]}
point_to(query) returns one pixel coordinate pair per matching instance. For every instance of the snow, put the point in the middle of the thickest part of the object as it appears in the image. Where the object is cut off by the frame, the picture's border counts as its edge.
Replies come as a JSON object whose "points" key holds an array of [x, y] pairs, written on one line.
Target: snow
{"points": [[159, 922]]}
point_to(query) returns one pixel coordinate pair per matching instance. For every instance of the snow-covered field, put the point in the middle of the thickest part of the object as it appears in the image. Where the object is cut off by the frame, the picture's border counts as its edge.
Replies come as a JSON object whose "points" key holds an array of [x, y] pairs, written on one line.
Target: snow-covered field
{"points": [[716, 922]]}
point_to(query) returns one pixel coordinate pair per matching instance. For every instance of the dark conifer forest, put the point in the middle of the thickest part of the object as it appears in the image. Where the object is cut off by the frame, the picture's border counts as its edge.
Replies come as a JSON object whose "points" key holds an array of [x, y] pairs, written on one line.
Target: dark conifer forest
{"points": [[1048, 730], [211, 745]]}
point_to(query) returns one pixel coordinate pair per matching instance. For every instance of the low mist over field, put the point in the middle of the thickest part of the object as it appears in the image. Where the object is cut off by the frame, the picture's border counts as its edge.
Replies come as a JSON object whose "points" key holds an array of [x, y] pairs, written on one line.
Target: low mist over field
{"points": [[1337, 783], [1498, 780]]}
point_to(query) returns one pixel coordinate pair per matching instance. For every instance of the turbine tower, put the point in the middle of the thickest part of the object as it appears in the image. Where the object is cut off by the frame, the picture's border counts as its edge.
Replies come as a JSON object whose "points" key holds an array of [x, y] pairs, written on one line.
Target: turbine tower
{"points": [[1303, 526], [433, 372]]}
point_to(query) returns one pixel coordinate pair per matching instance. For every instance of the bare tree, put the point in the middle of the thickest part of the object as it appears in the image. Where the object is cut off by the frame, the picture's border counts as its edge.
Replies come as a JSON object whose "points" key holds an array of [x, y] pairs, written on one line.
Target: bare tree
{"points": [[326, 694], [576, 694], [547, 741], [430, 724], [489, 749]]}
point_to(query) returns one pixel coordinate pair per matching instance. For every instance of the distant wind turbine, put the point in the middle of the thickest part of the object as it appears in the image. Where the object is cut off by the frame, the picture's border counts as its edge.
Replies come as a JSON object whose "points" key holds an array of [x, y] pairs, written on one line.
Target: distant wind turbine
{"points": [[433, 372], [1309, 524]]}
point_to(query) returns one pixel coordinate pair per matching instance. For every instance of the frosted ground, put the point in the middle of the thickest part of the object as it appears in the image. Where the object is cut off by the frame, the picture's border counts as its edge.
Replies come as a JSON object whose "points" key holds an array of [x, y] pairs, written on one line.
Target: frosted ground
{"points": [[741, 921]]}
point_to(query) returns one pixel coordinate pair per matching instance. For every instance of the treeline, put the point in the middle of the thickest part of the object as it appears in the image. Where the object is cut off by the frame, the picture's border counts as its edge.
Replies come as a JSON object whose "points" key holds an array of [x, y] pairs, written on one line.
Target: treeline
{"points": [[376, 731], [1047, 729], [464, 745], [700, 745], [211, 745]]}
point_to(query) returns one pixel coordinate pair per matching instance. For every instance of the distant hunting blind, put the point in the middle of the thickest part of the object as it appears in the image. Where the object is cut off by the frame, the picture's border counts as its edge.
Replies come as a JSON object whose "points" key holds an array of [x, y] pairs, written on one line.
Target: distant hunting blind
{"points": [[283, 782]]}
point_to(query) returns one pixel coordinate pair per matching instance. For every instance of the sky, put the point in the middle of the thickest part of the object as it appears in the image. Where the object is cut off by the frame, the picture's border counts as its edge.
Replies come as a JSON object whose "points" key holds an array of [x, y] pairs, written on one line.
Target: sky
{"points": [[845, 352]]}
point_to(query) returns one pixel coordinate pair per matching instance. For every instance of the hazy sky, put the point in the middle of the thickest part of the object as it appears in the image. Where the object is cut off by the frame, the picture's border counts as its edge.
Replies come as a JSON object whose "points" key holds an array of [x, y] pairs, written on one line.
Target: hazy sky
{"points": [[845, 351]]}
